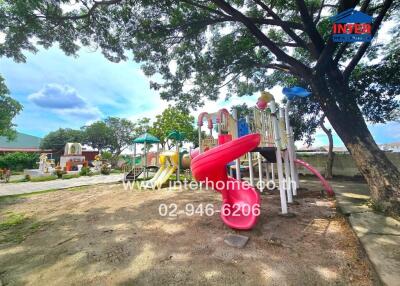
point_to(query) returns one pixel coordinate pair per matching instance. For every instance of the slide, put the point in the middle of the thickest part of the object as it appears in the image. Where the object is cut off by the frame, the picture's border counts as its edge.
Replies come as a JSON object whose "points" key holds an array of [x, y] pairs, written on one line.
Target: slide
{"points": [[159, 178], [240, 201], [324, 182]]}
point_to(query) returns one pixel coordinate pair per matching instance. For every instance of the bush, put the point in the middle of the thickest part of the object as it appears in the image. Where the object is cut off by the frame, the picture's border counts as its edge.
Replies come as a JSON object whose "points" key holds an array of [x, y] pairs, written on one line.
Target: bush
{"points": [[85, 171], [70, 176], [105, 169], [44, 179], [19, 161], [105, 155]]}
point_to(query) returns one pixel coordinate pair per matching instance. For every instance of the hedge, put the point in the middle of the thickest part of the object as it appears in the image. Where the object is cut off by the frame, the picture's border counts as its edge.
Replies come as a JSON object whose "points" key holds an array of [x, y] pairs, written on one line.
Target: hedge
{"points": [[19, 161]]}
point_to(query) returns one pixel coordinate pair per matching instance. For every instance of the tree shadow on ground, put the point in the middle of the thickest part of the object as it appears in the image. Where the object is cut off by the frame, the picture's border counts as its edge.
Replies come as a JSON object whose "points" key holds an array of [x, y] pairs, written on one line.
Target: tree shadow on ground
{"points": [[111, 237]]}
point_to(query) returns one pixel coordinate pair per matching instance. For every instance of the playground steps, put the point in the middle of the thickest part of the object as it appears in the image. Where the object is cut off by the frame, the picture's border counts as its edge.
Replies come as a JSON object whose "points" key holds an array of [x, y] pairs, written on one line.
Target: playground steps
{"points": [[267, 152]]}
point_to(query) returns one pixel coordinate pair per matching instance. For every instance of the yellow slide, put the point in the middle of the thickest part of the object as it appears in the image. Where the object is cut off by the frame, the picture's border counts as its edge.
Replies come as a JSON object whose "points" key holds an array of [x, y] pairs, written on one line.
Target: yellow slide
{"points": [[165, 171], [159, 178], [150, 182]]}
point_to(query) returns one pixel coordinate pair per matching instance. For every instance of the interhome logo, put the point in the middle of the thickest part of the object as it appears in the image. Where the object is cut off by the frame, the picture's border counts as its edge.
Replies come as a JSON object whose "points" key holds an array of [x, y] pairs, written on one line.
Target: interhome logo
{"points": [[351, 26]]}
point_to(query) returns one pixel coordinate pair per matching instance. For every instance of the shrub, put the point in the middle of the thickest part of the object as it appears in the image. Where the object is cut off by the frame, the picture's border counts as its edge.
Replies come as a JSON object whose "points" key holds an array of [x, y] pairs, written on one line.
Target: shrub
{"points": [[70, 176], [105, 169], [85, 171], [44, 178], [59, 171], [19, 161], [105, 155]]}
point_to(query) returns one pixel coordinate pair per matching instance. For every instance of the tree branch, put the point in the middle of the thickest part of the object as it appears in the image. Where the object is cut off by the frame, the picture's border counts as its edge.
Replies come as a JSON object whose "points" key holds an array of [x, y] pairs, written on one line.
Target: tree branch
{"points": [[310, 27], [283, 24], [319, 13], [325, 59], [82, 16], [281, 55], [364, 46]]}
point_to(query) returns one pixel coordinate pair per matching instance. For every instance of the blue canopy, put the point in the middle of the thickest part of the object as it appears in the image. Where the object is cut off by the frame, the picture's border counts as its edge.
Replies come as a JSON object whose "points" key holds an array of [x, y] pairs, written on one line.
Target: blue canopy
{"points": [[296, 91]]}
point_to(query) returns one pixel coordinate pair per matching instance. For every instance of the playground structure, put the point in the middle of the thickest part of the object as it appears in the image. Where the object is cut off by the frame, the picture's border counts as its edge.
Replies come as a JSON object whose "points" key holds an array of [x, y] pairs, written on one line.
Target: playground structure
{"points": [[269, 136], [166, 162]]}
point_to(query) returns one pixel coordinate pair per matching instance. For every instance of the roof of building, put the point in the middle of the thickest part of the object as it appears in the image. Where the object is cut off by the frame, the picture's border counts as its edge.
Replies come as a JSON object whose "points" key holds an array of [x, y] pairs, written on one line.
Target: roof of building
{"points": [[21, 142]]}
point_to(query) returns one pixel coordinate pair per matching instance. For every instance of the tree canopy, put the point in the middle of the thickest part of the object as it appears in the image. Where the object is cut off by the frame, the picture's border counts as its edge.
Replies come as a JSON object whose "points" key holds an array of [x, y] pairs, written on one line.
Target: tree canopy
{"points": [[173, 119], [9, 108], [56, 140]]}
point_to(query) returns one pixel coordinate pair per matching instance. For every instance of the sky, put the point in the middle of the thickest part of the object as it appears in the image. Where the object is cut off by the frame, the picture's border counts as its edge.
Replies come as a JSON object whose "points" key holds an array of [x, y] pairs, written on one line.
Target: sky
{"points": [[58, 91]]}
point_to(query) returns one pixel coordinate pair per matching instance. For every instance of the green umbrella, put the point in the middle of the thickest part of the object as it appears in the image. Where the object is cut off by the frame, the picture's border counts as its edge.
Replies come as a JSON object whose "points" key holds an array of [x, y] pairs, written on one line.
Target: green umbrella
{"points": [[146, 138], [176, 135]]}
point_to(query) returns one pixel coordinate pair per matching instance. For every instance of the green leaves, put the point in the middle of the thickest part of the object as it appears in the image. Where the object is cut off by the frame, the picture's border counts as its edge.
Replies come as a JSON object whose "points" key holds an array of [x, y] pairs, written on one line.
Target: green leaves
{"points": [[9, 108], [173, 119]]}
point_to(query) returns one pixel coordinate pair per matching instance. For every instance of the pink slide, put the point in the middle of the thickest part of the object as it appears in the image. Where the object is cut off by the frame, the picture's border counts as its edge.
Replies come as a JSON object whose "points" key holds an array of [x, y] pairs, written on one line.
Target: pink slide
{"points": [[324, 182], [240, 201]]}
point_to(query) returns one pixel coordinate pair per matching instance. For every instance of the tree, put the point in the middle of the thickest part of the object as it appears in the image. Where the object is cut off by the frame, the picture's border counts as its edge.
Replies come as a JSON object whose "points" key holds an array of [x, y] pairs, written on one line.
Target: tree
{"points": [[9, 108], [171, 119], [123, 132], [97, 135], [56, 140], [113, 134], [244, 40], [331, 154]]}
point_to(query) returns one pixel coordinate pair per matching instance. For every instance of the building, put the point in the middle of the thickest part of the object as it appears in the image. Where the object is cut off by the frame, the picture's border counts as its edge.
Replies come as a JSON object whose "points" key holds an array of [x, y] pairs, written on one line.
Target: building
{"points": [[21, 143], [31, 144], [390, 147]]}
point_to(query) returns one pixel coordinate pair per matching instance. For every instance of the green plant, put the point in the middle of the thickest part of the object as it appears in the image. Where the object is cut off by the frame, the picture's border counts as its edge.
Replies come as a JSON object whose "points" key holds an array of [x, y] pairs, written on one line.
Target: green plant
{"points": [[44, 178], [70, 176], [105, 169], [85, 171], [11, 220], [105, 155], [19, 161], [59, 171]]}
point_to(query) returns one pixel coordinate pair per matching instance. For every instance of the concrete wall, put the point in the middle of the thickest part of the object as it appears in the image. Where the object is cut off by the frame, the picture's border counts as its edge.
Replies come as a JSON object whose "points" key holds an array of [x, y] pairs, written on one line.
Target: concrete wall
{"points": [[343, 164]]}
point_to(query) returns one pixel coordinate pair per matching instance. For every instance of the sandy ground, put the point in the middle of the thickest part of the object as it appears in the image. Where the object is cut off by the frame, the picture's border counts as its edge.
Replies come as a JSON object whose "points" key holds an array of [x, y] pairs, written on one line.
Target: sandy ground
{"points": [[105, 235]]}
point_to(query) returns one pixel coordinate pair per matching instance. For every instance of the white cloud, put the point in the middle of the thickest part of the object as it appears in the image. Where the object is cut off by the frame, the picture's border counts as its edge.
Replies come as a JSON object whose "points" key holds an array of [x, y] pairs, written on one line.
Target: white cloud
{"points": [[64, 100]]}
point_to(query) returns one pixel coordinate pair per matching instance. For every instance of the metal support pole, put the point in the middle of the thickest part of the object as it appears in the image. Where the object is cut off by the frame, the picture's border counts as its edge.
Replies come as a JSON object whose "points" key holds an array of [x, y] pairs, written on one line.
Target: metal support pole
{"points": [[279, 157], [287, 175], [260, 173], [200, 140], [290, 147], [251, 171], [237, 161], [178, 170], [145, 160]]}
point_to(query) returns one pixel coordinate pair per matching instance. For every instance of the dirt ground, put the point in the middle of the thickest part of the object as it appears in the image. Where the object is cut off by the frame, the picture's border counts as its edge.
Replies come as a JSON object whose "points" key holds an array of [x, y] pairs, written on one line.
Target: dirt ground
{"points": [[105, 235]]}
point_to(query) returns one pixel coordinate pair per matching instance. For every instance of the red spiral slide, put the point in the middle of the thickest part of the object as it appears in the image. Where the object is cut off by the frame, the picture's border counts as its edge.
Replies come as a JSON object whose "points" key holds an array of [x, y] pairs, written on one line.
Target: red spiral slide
{"points": [[240, 201]]}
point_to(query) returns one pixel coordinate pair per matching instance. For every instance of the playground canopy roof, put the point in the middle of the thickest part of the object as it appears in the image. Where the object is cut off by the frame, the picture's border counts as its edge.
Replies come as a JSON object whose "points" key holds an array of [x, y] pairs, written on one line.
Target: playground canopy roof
{"points": [[146, 138], [176, 135]]}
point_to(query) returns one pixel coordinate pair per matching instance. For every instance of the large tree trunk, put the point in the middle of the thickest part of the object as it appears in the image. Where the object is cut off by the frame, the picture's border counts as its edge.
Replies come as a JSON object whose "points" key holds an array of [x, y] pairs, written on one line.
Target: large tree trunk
{"points": [[329, 161], [382, 176]]}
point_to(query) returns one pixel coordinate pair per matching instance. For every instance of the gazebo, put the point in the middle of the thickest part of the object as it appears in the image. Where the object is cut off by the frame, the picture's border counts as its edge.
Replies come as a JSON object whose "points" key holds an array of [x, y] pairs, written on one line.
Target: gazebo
{"points": [[145, 139]]}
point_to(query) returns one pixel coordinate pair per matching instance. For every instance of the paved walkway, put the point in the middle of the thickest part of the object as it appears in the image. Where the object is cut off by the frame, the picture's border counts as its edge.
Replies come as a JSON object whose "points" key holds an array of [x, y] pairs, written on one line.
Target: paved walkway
{"points": [[379, 235], [31, 187]]}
